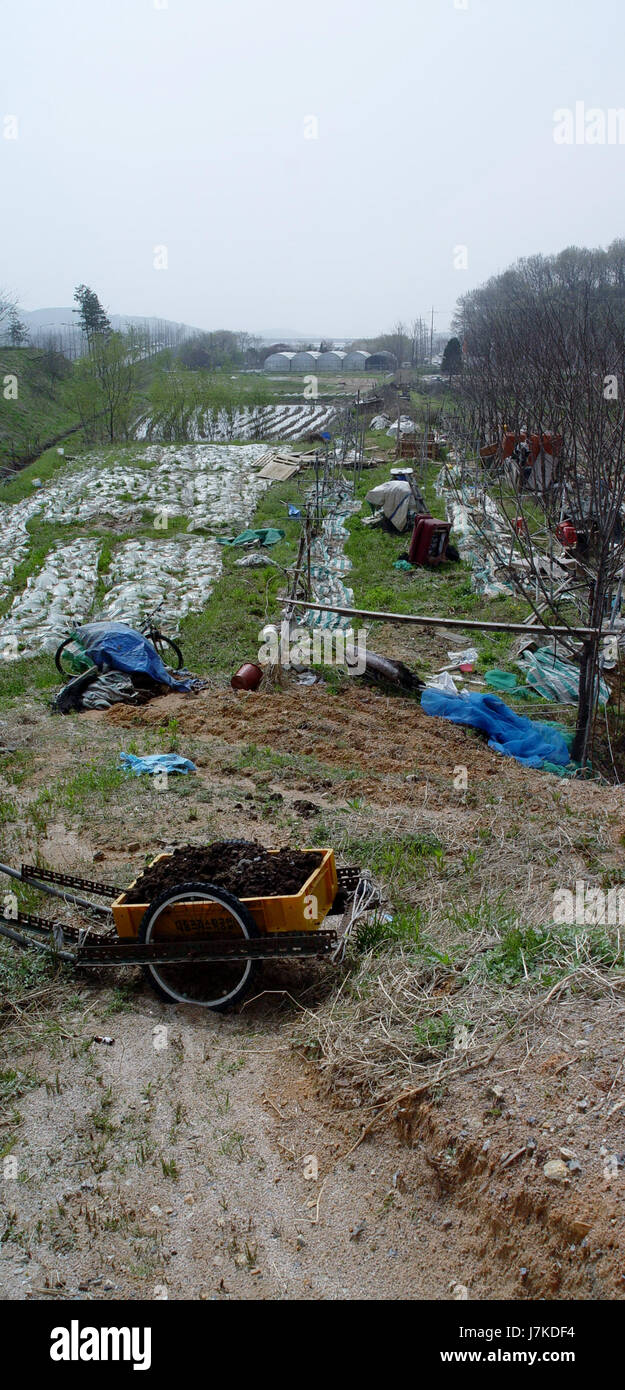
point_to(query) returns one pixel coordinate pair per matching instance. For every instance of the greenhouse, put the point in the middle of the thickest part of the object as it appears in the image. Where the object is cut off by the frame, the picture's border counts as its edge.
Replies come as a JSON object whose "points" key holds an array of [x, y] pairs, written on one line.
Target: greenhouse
{"points": [[356, 360], [278, 362]]}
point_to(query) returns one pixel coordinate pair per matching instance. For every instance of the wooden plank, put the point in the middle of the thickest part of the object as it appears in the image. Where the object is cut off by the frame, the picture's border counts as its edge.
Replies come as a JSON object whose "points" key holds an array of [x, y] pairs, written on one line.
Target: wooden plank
{"points": [[277, 471]]}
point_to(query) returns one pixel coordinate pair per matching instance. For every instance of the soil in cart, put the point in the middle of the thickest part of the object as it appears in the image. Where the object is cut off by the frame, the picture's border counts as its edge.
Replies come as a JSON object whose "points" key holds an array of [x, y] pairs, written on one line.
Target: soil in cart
{"points": [[245, 869]]}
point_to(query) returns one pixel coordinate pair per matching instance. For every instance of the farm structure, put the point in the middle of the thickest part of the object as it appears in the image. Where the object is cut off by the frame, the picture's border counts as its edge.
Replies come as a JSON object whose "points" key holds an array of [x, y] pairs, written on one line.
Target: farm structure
{"points": [[330, 361], [311, 361], [355, 361], [278, 362], [305, 361], [381, 362]]}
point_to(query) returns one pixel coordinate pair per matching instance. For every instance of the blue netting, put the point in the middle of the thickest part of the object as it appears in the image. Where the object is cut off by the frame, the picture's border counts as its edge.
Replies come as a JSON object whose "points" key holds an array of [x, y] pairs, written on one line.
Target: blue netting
{"points": [[529, 741]]}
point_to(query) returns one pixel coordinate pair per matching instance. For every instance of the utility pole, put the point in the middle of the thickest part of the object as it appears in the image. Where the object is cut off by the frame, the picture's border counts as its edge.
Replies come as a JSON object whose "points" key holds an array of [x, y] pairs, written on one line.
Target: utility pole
{"points": [[432, 337]]}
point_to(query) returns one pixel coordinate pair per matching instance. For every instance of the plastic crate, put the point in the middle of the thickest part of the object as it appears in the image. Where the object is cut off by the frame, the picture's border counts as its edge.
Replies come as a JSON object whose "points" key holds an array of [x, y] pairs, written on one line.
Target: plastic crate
{"points": [[295, 912]]}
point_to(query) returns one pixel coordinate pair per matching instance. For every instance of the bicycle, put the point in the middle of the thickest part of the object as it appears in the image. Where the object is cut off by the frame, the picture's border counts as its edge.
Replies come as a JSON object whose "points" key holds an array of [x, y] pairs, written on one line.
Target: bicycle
{"points": [[71, 659]]}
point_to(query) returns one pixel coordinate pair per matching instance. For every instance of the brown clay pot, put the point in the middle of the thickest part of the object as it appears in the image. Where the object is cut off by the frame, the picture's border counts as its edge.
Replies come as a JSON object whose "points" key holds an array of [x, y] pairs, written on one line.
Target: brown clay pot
{"points": [[248, 676]]}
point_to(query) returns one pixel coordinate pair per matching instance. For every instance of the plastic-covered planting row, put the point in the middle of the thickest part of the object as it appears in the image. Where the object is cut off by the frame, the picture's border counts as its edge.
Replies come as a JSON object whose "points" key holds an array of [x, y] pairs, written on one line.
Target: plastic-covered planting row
{"points": [[260, 422], [65, 586], [473, 513], [208, 484], [211, 485], [179, 574]]}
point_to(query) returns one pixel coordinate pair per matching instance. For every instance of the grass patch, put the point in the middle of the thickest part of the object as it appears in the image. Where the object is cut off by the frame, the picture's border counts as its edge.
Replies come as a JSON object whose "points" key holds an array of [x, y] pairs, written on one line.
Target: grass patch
{"points": [[446, 590], [261, 759], [228, 631], [435, 1034], [99, 781], [14, 1083], [401, 860], [548, 953], [379, 931], [8, 810]]}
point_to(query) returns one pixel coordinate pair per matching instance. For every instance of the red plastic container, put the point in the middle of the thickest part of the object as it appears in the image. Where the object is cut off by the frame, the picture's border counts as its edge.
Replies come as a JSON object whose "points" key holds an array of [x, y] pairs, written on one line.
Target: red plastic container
{"points": [[566, 533], [248, 676], [429, 541]]}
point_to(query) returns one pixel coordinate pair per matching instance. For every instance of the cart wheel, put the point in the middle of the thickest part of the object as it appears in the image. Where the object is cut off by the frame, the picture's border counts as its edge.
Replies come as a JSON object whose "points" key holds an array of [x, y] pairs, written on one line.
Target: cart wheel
{"points": [[210, 984]]}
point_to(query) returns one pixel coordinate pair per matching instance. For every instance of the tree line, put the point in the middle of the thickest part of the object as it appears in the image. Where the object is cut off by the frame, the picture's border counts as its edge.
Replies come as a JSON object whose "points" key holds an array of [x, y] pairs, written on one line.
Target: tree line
{"points": [[544, 362]]}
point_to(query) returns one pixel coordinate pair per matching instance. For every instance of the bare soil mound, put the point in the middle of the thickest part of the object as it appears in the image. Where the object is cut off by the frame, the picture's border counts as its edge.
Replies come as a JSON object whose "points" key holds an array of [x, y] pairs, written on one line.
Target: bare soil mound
{"points": [[244, 868]]}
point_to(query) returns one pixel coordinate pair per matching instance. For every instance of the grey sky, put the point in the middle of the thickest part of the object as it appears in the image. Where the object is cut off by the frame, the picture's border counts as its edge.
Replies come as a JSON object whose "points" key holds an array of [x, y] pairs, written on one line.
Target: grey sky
{"points": [[183, 126]]}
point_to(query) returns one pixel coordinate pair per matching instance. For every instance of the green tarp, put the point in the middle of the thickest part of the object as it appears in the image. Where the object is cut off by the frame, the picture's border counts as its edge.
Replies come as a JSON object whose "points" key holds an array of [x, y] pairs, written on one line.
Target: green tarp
{"points": [[547, 676], [267, 535]]}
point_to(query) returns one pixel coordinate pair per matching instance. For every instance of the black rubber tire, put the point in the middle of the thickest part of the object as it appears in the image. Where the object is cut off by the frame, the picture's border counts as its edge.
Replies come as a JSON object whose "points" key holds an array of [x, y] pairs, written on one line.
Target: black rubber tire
{"points": [[248, 968], [159, 644], [58, 662]]}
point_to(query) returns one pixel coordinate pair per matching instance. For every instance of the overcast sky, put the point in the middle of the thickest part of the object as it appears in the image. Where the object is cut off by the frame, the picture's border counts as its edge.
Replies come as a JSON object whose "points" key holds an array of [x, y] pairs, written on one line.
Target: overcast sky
{"points": [[183, 124]]}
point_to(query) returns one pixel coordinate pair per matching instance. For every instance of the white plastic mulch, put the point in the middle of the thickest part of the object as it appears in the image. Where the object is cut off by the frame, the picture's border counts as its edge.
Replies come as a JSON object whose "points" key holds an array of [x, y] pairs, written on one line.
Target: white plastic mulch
{"points": [[174, 576], [330, 564], [63, 589], [254, 422], [211, 485], [14, 538], [207, 483], [474, 516]]}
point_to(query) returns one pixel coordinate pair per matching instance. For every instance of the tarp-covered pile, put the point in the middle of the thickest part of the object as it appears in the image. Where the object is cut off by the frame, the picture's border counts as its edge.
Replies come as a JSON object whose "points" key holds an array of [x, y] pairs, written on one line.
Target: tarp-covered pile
{"points": [[117, 647], [396, 500]]}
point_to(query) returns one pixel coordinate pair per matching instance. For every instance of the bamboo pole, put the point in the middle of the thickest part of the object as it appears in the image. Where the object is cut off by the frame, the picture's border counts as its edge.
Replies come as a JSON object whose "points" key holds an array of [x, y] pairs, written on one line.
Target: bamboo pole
{"points": [[581, 632]]}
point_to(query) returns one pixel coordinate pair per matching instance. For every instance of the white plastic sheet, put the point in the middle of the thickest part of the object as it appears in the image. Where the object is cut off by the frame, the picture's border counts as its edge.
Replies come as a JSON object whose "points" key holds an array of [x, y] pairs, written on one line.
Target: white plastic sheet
{"points": [[63, 590], [211, 485], [178, 574], [253, 422]]}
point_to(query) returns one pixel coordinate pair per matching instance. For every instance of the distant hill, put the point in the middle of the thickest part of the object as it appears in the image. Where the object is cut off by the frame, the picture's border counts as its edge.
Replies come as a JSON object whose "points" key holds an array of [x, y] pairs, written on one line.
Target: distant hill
{"points": [[44, 323], [60, 326]]}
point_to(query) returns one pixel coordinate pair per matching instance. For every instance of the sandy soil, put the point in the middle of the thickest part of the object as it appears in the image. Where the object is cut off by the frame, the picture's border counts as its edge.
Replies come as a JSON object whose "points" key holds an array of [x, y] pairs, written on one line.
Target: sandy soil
{"points": [[204, 1157]]}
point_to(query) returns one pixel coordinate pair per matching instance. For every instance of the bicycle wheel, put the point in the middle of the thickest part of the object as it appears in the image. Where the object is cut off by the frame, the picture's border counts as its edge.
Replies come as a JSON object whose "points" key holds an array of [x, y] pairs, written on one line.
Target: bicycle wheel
{"points": [[169, 652], [70, 659]]}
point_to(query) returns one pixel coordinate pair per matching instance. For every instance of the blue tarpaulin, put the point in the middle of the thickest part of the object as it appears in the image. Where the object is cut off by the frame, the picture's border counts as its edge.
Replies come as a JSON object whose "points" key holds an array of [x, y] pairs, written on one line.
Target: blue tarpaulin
{"points": [[157, 762], [529, 741], [117, 647]]}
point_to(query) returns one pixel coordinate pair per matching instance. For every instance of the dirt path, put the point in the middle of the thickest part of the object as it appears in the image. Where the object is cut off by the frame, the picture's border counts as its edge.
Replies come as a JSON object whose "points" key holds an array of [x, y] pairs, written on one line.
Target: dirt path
{"points": [[204, 1157], [173, 1164]]}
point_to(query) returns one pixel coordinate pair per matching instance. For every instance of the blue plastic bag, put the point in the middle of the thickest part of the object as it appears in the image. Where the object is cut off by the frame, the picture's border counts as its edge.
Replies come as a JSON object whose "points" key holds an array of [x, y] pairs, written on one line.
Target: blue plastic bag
{"points": [[530, 742], [157, 762], [117, 647]]}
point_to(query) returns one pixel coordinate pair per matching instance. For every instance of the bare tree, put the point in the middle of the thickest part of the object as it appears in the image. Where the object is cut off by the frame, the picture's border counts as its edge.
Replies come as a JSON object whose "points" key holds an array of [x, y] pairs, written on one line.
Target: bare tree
{"points": [[541, 399], [8, 306], [400, 335]]}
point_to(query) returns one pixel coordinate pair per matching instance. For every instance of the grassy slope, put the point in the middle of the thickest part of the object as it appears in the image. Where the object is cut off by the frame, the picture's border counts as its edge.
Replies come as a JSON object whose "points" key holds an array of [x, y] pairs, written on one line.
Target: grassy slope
{"points": [[226, 632], [443, 592], [42, 410]]}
